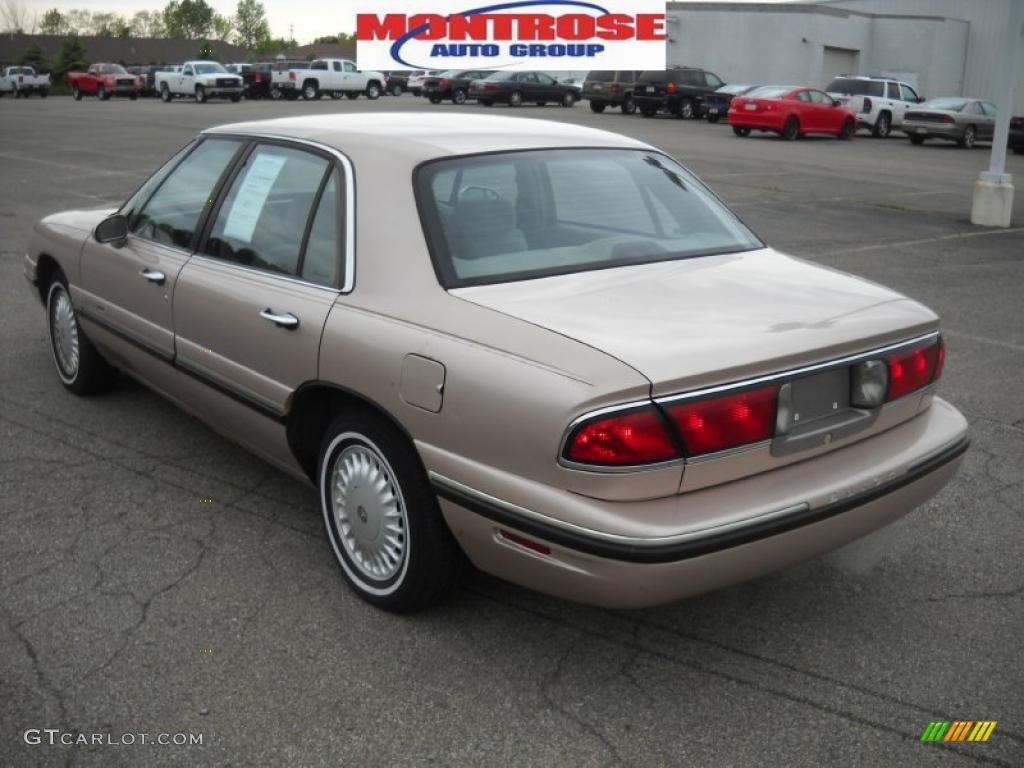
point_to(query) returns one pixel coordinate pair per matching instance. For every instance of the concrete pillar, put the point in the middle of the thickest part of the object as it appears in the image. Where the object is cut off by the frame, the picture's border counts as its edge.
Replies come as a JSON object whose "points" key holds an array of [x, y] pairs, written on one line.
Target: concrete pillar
{"points": [[993, 191]]}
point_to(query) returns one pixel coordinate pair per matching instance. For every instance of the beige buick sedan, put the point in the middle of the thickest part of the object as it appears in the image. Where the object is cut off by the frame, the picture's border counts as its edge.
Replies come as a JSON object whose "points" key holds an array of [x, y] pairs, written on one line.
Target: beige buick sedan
{"points": [[547, 348]]}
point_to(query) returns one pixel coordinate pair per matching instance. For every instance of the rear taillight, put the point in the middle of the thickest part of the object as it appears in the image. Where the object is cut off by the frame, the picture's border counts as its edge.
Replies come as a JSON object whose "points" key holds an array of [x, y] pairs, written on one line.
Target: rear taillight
{"points": [[491, 87], [670, 88], [948, 119], [615, 87], [444, 82], [622, 439], [866, 107], [728, 421], [258, 78], [914, 369]]}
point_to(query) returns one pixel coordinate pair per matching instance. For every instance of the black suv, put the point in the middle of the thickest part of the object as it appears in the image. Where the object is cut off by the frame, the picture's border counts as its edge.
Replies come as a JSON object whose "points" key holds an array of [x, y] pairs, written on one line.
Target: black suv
{"points": [[679, 91], [605, 88]]}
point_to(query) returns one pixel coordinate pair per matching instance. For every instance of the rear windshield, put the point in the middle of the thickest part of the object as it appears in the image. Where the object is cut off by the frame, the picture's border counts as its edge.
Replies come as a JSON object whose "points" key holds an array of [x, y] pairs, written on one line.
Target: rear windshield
{"points": [[601, 76], [769, 92], [519, 215], [852, 87], [950, 104], [653, 76], [735, 89]]}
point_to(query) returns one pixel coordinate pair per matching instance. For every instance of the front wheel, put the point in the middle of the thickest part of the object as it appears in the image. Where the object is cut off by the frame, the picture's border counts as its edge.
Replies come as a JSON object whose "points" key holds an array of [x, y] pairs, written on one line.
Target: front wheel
{"points": [[648, 111], [435, 99], [713, 118], [917, 140], [165, 93], [740, 131], [80, 367], [235, 98], [628, 106], [353, 95], [686, 109], [597, 107], [568, 99], [76, 93], [381, 516], [515, 99], [846, 132], [310, 92], [373, 91], [395, 89], [459, 96], [200, 94], [134, 97], [486, 102], [790, 129], [44, 93], [883, 126], [101, 93]]}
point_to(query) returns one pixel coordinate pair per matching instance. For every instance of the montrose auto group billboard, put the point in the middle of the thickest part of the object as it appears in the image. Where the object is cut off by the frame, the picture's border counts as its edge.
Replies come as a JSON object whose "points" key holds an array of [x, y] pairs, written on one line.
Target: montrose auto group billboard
{"points": [[555, 35]]}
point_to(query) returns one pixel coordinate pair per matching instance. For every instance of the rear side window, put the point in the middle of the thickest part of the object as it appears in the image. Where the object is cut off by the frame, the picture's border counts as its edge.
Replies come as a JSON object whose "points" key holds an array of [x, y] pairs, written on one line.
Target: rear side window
{"points": [[262, 222], [601, 76], [852, 87], [653, 76], [172, 213]]}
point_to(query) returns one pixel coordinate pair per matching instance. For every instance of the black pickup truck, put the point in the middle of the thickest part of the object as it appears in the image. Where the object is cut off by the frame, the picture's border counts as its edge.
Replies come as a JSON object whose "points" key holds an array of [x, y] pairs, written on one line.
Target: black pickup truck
{"points": [[680, 91]]}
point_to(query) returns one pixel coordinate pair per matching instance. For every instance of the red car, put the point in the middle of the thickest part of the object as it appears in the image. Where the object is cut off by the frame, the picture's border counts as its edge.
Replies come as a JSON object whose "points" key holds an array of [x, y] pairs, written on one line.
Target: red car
{"points": [[104, 81], [791, 112]]}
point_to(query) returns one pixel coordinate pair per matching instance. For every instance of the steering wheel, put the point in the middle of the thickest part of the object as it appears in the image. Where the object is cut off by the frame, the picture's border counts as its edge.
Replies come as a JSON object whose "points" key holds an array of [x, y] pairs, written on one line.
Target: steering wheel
{"points": [[487, 193]]}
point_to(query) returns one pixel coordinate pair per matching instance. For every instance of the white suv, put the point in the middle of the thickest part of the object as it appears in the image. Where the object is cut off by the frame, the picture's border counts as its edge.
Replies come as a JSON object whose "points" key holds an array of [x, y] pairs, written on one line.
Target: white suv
{"points": [[878, 101]]}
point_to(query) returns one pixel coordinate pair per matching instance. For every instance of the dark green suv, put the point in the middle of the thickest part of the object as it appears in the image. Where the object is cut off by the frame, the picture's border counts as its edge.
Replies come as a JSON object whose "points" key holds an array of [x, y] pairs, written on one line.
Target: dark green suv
{"points": [[605, 88]]}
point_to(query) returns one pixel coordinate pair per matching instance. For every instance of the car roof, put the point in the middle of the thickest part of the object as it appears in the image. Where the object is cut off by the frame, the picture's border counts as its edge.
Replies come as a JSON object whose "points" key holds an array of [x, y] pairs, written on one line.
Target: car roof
{"points": [[421, 137]]}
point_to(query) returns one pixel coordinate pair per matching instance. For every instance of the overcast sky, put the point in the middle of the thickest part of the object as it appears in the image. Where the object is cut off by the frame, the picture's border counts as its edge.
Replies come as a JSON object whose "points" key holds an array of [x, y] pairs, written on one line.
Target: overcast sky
{"points": [[312, 18]]}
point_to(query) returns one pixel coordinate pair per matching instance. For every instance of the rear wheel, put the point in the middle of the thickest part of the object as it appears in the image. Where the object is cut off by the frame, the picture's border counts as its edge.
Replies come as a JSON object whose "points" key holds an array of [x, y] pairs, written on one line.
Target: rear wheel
{"points": [[486, 102], [648, 111], [381, 516], [275, 94], [917, 140], [353, 95], [568, 99], [883, 126], [846, 132], [435, 99], [165, 92], [628, 106], [310, 91], [790, 129], [685, 109], [235, 98], [134, 97], [597, 106], [515, 99], [76, 93], [969, 136], [713, 118], [101, 93], [44, 93], [80, 367], [373, 91], [395, 89], [459, 96], [739, 130]]}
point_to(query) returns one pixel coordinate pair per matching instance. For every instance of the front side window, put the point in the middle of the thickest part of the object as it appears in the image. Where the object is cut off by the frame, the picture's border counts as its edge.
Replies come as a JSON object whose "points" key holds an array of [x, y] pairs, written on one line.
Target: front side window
{"points": [[545, 79], [170, 216], [521, 215], [988, 108], [133, 206], [908, 94], [350, 67], [262, 222], [712, 80], [820, 98]]}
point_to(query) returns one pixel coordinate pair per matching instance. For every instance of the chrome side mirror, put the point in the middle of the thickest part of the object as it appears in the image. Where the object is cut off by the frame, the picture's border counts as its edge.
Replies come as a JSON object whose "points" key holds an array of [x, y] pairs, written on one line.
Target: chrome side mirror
{"points": [[113, 230]]}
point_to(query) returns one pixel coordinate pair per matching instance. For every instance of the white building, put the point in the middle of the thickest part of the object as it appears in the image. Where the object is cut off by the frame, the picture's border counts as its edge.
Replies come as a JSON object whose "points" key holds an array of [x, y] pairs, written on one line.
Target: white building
{"points": [[943, 47]]}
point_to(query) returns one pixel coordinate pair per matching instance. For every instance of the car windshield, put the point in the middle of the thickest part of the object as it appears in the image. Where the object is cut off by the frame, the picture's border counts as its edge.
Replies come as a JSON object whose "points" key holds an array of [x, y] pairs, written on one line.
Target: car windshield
{"points": [[851, 86], [948, 104], [769, 92], [111, 69], [209, 68], [735, 89], [520, 215]]}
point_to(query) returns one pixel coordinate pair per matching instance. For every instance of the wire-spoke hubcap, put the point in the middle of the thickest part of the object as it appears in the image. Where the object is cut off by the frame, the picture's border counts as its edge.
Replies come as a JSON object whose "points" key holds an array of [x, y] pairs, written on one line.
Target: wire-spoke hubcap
{"points": [[369, 512], [64, 331]]}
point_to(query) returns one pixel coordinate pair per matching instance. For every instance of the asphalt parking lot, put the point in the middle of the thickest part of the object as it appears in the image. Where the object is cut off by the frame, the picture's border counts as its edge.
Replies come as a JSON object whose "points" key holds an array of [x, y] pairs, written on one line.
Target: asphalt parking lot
{"points": [[156, 579]]}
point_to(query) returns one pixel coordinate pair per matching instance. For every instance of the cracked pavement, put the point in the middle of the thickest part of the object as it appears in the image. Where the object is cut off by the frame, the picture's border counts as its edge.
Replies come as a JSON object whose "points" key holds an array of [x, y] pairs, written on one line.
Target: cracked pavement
{"points": [[135, 540]]}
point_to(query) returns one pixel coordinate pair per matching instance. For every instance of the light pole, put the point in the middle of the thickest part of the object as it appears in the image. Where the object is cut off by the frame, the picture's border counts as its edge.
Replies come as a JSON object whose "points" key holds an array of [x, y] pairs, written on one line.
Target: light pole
{"points": [[993, 191]]}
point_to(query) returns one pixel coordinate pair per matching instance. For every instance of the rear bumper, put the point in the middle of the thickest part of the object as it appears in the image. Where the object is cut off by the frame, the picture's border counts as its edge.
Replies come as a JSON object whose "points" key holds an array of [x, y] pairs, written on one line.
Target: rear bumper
{"points": [[932, 130], [761, 121], [789, 515]]}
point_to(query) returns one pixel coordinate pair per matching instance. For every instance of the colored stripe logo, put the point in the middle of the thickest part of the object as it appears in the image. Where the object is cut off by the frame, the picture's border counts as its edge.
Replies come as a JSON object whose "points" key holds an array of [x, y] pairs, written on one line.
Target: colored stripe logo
{"points": [[958, 730]]}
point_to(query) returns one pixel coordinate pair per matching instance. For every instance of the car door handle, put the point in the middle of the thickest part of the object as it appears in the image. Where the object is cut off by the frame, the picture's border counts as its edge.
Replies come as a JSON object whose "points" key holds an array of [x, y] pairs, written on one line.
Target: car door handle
{"points": [[154, 276], [287, 320]]}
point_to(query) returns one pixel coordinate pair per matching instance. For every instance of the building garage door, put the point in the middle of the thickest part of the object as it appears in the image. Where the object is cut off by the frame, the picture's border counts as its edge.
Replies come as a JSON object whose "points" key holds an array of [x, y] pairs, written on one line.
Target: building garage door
{"points": [[838, 61]]}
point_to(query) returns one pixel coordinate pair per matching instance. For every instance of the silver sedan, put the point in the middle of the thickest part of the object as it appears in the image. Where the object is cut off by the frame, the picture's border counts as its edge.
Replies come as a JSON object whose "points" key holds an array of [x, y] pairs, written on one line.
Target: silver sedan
{"points": [[958, 119]]}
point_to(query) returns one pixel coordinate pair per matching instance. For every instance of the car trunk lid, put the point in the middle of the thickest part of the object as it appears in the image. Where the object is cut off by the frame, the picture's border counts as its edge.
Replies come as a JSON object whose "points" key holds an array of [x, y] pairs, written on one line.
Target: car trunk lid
{"points": [[693, 323]]}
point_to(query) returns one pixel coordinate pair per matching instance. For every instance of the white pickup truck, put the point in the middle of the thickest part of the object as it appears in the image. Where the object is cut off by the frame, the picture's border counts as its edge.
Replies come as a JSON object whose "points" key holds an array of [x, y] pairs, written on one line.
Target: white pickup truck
{"points": [[336, 77], [23, 81], [200, 80]]}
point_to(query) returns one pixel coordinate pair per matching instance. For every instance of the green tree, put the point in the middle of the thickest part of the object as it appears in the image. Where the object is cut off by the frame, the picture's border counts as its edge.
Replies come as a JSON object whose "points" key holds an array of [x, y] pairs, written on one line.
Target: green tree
{"points": [[34, 58], [148, 24], [53, 23], [223, 27], [342, 38], [252, 30], [110, 25], [191, 19], [70, 57]]}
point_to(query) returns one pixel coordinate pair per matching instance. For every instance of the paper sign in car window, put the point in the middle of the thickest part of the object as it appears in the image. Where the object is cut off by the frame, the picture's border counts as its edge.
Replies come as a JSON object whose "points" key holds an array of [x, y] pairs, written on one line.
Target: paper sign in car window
{"points": [[252, 196]]}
